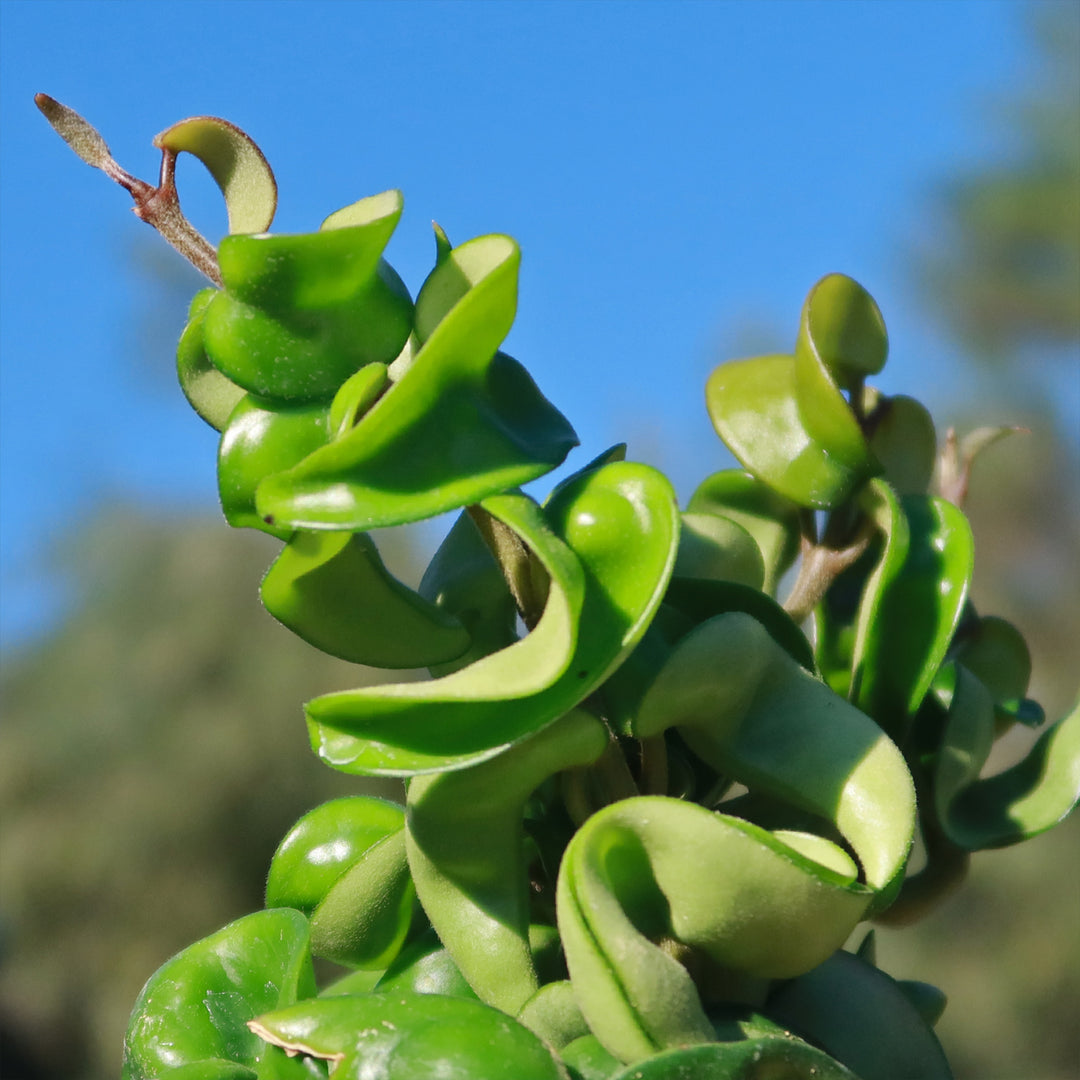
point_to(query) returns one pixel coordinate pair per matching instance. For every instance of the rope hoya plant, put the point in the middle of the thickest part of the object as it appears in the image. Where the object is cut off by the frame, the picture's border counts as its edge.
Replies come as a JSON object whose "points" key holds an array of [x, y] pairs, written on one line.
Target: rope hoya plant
{"points": [[648, 805]]}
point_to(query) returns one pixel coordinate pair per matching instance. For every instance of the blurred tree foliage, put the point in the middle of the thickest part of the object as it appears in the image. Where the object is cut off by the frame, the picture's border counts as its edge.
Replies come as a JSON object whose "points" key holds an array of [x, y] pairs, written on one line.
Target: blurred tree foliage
{"points": [[1006, 276]]}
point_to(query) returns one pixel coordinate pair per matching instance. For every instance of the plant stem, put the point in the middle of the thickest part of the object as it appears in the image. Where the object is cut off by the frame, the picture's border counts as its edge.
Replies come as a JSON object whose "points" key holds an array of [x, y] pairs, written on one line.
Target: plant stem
{"points": [[821, 565], [157, 206]]}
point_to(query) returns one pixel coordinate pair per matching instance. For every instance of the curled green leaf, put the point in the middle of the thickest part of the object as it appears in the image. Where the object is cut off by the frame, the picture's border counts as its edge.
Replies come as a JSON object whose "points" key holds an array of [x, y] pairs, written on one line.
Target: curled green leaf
{"points": [[193, 1012], [785, 417], [260, 438], [1018, 803], [333, 590], [463, 422], [746, 707], [651, 887], [771, 520], [476, 894], [299, 314], [841, 340], [236, 164], [209, 393], [911, 610], [343, 864], [607, 543]]}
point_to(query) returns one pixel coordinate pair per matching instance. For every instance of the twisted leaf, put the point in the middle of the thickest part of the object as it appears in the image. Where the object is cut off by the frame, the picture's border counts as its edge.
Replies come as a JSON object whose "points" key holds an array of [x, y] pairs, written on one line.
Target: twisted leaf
{"points": [[785, 418], [910, 613], [863, 1018], [1020, 802], [300, 314], [190, 1021], [236, 164], [463, 422], [333, 590], [476, 894], [650, 881], [607, 543], [343, 865], [772, 521]]}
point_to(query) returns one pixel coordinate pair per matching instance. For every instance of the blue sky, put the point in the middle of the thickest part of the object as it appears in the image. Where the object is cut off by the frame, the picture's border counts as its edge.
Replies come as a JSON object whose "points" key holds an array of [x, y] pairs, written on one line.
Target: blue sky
{"points": [[677, 174]]}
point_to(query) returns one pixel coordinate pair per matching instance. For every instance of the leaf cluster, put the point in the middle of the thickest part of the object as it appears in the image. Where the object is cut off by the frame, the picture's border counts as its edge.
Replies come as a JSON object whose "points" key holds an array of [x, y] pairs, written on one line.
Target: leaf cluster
{"points": [[645, 810]]}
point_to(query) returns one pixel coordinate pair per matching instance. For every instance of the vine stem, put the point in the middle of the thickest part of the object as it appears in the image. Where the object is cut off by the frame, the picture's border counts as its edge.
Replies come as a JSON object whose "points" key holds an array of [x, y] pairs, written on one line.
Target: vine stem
{"points": [[158, 206], [821, 565]]}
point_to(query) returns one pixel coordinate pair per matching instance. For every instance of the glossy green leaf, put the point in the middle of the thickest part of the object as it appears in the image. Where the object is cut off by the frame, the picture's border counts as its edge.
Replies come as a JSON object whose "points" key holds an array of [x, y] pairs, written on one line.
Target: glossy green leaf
{"points": [[402, 1036], [356, 395], [300, 314], [476, 894], [843, 330], [863, 1018], [608, 544], [425, 966], [398, 729], [914, 613], [841, 340], [209, 393], [749, 710], [343, 864], [464, 421], [880, 503], [995, 652], [1020, 802], [236, 164], [650, 879], [333, 590], [755, 411], [785, 418], [774, 1057], [771, 520], [260, 438], [716, 548], [905, 443], [193, 1012]]}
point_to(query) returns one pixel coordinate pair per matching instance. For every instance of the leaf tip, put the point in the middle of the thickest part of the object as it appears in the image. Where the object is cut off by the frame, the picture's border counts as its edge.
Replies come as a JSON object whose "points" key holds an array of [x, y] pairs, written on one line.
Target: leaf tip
{"points": [[77, 132]]}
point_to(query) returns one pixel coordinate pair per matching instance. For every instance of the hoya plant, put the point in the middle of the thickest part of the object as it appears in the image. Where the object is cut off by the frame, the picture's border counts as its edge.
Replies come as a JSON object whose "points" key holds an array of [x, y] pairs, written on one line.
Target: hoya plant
{"points": [[672, 764]]}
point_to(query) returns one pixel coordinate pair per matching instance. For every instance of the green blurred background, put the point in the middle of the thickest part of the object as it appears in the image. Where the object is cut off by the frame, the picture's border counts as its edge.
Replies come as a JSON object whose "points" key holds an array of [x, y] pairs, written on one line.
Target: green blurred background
{"points": [[153, 751]]}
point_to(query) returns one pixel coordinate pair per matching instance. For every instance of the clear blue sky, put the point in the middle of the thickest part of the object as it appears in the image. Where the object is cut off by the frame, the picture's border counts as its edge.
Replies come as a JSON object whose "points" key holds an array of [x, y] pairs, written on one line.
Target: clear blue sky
{"points": [[674, 172]]}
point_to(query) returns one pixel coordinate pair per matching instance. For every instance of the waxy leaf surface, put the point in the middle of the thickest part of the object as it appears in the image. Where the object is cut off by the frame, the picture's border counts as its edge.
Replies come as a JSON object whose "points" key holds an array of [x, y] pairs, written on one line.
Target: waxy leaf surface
{"points": [[193, 1012], [299, 314], [343, 865], [608, 544], [403, 1036], [476, 893], [333, 590], [463, 422]]}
